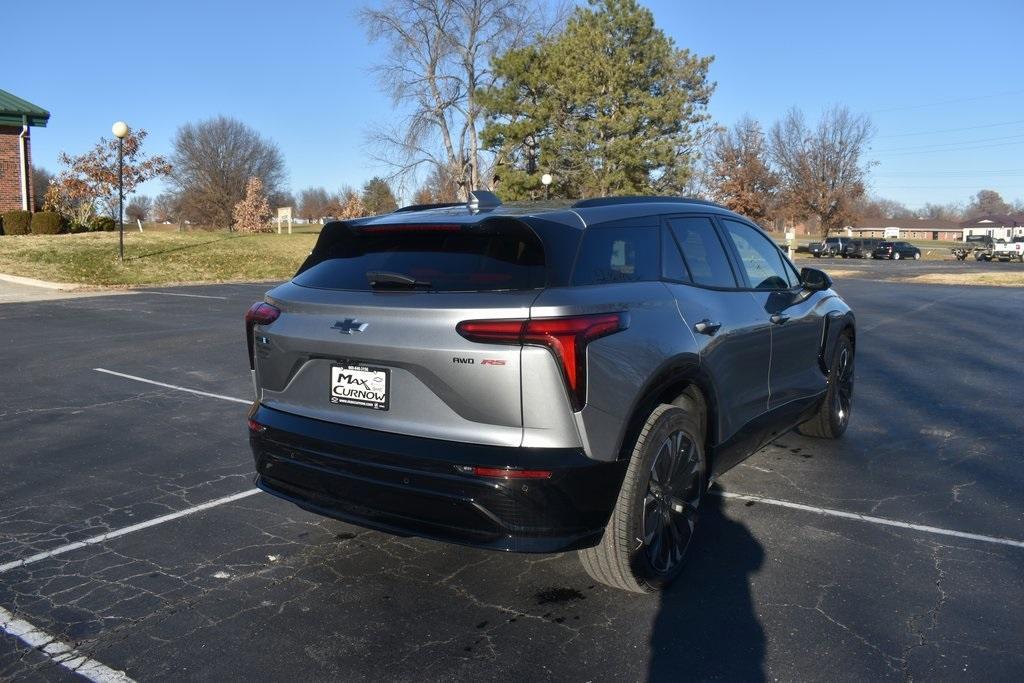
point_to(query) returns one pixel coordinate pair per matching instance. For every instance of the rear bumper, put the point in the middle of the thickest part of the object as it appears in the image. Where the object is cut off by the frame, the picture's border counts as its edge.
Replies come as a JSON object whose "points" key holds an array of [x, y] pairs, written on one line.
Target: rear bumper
{"points": [[411, 486]]}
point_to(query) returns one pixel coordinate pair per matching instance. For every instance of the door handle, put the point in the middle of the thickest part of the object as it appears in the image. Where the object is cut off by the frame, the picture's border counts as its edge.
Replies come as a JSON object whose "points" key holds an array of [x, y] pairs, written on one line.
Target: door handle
{"points": [[779, 319], [707, 327]]}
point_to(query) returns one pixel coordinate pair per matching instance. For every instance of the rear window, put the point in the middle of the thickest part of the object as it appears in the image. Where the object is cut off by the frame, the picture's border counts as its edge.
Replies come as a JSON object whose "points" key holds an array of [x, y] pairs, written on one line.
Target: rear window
{"points": [[447, 258], [618, 254]]}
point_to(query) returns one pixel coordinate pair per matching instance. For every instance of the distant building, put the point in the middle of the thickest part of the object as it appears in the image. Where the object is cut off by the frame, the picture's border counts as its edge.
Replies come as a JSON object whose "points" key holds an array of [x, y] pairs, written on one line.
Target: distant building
{"points": [[995, 226], [17, 117], [907, 229]]}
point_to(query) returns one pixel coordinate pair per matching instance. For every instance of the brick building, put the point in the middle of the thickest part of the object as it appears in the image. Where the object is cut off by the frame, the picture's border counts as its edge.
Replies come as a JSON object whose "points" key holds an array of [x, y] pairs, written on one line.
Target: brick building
{"points": [[17, 118], [906, 229]]}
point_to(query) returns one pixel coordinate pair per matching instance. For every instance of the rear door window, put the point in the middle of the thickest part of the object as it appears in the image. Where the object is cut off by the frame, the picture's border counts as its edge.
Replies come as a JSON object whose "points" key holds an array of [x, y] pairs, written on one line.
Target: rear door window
{"points": [[702, 251], [452, 258], [611, 254]]}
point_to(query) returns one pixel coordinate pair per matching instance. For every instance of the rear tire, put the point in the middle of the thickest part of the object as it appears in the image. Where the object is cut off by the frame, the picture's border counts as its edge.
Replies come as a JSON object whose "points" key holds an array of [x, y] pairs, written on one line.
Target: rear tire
{"points": [[645, 543], [917, 256], [833, 415]]}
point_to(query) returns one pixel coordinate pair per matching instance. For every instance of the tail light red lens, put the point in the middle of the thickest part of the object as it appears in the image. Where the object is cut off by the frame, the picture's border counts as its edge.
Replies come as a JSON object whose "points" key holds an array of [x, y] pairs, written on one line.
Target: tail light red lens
{"points": [[256, 427], [566, 338], [260, 313]]}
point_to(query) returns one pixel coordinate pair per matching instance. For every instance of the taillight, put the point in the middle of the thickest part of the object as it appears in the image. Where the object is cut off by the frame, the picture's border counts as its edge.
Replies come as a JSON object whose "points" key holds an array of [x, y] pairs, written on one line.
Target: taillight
{"points": [[259, 313], [566, 338]]}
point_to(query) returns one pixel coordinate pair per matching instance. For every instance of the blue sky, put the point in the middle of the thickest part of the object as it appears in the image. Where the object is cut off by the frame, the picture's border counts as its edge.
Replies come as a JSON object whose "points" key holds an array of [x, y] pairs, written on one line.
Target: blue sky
{"points": [[942, 81]]}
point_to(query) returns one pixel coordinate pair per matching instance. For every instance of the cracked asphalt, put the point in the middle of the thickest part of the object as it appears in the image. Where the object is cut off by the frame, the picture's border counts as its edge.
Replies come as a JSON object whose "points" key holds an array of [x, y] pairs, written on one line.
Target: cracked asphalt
{"points": [[257, 589]]}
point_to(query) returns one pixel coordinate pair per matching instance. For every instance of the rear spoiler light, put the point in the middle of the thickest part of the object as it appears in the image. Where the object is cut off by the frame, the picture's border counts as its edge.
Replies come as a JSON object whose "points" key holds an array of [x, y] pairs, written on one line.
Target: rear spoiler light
{"points": [[566, 338]]}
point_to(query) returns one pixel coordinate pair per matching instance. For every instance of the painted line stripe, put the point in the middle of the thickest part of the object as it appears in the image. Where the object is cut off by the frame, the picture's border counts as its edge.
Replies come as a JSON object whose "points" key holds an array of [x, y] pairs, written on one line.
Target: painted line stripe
{"points": [[870, 519], [125, 530], [60, 652], [174, 386], [193, 296]]}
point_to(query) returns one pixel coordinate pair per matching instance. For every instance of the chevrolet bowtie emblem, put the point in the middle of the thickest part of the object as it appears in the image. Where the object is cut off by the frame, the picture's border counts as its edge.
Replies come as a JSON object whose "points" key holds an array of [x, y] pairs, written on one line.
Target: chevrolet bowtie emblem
{"points": [[349, 325]]}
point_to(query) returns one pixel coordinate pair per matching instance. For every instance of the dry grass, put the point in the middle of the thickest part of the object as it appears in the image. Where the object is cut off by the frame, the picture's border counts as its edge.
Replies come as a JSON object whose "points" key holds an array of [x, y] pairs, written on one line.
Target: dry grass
{"points": [[986, 279], [153, 258]]}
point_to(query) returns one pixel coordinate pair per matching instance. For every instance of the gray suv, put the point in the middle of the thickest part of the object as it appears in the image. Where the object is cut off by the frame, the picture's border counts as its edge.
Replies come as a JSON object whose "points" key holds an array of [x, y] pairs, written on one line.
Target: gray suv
{"points": [[540, 378]]}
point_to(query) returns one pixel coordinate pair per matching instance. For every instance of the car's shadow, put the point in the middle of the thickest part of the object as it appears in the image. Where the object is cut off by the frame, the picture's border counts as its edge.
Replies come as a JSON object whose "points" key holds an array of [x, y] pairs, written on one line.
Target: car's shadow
{"points": [[706, 626]]}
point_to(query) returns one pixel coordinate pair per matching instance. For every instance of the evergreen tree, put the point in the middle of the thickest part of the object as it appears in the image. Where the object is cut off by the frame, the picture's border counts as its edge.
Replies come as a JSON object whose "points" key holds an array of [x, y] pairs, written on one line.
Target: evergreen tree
{"points": [[378, 197], [608, 106]]}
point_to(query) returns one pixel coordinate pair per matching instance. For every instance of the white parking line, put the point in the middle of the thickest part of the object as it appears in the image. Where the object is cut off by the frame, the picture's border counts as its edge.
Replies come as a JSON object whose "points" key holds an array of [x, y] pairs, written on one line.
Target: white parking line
{"points": [[174, 386], [193, 296], [60, 652], [724, 494], [870, 519], [125, 530]]}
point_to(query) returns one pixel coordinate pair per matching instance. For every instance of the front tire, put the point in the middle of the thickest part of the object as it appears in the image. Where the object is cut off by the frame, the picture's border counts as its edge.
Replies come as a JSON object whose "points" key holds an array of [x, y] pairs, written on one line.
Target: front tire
{"points": [[917, 256], [833, 415], [896, 256], [645, 543]]}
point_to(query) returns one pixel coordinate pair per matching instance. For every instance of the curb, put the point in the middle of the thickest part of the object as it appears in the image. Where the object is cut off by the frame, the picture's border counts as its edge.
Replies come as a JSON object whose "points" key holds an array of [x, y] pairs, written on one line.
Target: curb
{"points": [[32, 282]]}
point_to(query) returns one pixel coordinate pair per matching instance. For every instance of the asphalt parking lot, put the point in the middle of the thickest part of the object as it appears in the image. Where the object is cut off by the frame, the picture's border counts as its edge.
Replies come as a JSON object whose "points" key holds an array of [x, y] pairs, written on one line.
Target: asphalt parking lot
{"points": [[894, 553]]}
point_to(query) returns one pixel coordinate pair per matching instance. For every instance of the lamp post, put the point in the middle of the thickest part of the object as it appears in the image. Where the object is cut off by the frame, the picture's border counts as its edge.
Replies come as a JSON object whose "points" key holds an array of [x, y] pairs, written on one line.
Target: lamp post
{"points": [[120, 130], [546, 181]]}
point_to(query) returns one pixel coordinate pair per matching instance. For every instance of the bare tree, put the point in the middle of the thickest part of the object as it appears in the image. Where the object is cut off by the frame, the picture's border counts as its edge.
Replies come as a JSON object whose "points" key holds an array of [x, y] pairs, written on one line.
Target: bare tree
{"points": [[738, 174], [823, 169], [987, 202], [315, 203], [40, 184], [439, 55], [946, 212], [213, 162], [139, 208]]}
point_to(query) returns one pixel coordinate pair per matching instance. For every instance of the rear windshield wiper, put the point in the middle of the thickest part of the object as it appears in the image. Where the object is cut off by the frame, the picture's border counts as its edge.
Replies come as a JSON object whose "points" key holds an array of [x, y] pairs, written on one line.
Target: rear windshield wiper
{"points": [[385, 278]]}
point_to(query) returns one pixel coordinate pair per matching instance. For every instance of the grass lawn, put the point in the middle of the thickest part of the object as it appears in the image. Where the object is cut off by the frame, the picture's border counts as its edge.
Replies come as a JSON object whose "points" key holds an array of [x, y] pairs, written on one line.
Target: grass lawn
{"points": [[153, 258]]}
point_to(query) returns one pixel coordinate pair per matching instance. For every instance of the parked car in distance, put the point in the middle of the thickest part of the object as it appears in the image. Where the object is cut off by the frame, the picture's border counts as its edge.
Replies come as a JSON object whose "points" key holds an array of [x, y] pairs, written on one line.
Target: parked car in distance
{"points": [[830, 246], [861, 248], [896, 251], [536, 378]]}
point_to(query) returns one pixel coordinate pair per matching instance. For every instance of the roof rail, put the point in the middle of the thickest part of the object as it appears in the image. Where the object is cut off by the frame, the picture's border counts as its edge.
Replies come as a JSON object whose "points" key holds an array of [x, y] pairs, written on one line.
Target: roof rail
{"points": [[425, 207], [640, 199]]}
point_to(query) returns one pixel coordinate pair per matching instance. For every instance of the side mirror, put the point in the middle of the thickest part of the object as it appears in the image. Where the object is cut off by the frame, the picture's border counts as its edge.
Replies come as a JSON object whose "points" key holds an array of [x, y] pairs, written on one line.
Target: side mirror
{"points": [[815, 280]]}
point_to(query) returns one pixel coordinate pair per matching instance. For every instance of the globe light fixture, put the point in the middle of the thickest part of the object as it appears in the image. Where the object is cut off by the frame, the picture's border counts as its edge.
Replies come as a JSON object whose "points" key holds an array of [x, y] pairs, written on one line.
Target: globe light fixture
{"points": [[120, 130], [546, 181]]}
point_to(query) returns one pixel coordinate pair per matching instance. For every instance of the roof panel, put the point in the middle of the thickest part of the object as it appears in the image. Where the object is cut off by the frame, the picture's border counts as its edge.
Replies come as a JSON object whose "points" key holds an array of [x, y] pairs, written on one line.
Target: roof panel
{"points": [[14, 111]]}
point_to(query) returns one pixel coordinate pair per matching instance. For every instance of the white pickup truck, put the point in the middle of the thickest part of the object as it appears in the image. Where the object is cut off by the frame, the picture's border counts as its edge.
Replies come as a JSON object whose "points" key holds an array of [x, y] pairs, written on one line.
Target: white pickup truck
{"points": [[1008, 251]]}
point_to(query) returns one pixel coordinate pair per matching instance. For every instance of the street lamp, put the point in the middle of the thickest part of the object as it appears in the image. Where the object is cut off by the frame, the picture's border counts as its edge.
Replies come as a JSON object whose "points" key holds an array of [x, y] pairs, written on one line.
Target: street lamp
{"points": [[546, 181], [120, 130]]}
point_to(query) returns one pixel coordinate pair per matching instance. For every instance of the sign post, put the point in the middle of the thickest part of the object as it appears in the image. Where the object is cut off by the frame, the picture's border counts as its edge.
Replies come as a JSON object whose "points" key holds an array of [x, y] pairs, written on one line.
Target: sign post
{"points": [[284, 214]]}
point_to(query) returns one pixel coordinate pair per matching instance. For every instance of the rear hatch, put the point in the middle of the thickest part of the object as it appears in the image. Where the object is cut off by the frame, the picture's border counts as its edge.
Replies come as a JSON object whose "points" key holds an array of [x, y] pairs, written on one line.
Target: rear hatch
{"points": [[367, 335]]}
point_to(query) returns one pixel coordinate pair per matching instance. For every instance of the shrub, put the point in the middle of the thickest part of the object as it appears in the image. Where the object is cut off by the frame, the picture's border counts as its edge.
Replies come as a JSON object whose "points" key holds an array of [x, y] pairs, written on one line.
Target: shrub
{"points": [[103, 224], [78, 227], [17, 222], [47, 223]]}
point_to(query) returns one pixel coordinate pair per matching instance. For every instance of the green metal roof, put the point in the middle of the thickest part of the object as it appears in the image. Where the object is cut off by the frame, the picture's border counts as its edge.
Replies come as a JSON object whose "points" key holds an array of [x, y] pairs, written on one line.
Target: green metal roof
{"points": [[15, 111]]}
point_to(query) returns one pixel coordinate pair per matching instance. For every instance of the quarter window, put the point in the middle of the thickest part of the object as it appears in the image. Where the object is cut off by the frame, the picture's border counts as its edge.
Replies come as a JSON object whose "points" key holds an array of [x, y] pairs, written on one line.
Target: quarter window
{"points": [[760, 259]]}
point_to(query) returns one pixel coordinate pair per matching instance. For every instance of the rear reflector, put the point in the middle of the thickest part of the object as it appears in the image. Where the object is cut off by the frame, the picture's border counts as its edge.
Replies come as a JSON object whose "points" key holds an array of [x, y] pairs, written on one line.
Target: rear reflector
{"points": [[566, 338], [504, 472], [256, 427], [260, 313]]}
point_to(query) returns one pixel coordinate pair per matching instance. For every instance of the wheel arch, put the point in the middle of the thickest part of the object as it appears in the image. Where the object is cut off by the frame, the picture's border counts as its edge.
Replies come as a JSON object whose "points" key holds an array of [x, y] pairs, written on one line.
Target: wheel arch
{"points": [[836, 323], [680, 381]]}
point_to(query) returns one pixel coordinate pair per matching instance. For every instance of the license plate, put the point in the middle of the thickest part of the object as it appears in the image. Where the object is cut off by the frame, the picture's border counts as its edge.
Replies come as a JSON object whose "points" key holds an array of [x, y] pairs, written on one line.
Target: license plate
{"points": [[358, 385]]}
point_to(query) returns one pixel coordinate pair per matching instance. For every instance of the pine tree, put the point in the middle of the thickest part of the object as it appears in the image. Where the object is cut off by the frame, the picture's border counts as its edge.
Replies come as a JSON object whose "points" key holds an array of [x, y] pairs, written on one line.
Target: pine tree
{"points": [[608, 106]]}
